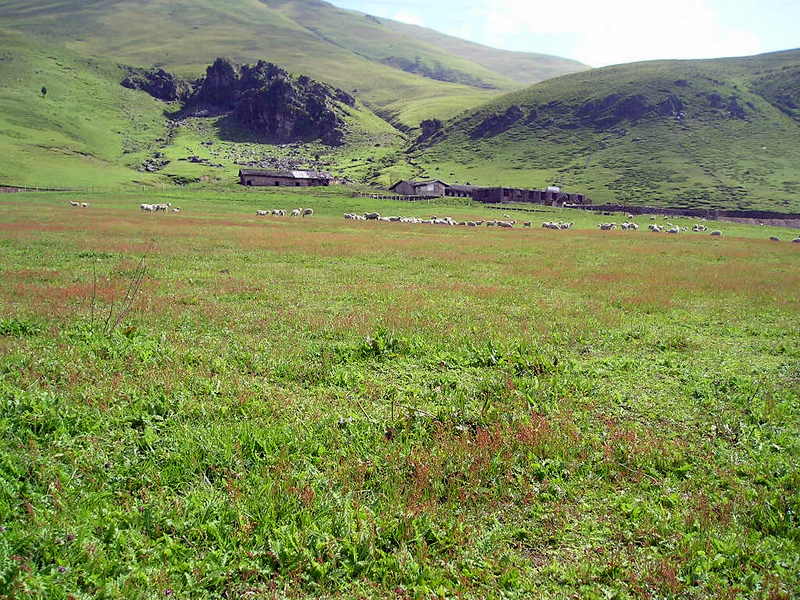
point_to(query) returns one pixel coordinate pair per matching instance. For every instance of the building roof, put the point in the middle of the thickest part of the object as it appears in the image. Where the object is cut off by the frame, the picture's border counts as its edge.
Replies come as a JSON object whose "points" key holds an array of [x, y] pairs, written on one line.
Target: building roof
{"points": [[429, 181], [463, 188], [286, 174]]}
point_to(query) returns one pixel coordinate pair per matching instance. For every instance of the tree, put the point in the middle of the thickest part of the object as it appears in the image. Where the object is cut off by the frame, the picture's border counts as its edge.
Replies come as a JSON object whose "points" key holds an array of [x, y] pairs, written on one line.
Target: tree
{"points": [[44, 91]]}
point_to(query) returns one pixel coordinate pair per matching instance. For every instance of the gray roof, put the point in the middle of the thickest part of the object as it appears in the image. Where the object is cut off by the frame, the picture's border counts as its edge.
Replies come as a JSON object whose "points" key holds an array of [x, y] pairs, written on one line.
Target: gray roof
{"points": [[464, 188]]}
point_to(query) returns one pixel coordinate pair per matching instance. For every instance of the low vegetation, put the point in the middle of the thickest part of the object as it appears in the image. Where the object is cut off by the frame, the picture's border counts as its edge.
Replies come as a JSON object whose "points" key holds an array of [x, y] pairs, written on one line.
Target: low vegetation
{"points": [[317, 407], [711, 133]]}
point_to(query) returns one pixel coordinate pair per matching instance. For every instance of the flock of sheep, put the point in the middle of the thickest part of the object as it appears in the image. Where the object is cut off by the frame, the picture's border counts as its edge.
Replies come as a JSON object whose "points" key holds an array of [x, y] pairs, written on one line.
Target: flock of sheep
{"points": [[508, 223], [154, 208], [279, 212], [557, 225]]}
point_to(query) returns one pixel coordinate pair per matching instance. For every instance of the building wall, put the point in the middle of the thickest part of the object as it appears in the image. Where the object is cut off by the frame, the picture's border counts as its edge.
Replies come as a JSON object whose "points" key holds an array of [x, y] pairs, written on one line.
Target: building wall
{"points": [[436, 189], [260, 180], [404, 188]]}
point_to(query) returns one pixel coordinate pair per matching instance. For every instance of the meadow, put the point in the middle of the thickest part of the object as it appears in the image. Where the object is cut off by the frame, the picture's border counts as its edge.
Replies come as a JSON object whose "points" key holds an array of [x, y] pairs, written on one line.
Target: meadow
{"points": [[216, 405]]}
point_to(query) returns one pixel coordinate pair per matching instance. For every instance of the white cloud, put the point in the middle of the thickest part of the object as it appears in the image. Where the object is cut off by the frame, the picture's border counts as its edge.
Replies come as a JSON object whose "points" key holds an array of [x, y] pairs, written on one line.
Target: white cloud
{"points": [[407, 17], [616, 31]]}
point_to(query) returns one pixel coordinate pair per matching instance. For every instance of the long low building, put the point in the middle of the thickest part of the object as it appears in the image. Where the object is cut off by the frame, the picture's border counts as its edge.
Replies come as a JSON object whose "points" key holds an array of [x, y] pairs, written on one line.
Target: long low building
{"points": [[263, 177], [552, 196]]}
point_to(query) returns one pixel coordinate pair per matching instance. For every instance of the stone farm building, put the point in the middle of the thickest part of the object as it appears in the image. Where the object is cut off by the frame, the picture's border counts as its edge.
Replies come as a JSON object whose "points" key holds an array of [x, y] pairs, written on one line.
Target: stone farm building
{"points": [[261, 177], [493, 195], [425, 189], [496, 195]]}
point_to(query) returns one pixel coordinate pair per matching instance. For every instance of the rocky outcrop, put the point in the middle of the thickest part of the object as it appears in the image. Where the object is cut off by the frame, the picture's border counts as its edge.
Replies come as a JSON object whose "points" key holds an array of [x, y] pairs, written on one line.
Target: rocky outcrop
{"points": [[497, 124], [158, 83], [262, 98]]}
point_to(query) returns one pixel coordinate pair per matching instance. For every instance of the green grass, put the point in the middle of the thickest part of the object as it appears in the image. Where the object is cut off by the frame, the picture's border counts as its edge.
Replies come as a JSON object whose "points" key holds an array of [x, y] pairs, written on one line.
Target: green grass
{"points": [[316, 407], [90, 131], [313, 38], [87, 128], [706, 159]]}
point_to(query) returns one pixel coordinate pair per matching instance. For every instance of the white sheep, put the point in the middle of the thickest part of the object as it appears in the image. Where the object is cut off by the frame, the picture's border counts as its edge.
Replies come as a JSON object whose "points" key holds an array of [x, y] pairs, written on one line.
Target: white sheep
{"points": [[673, 230], [262, 213], [297, 212], [176, 210], [84, 205], [147, 207], [796, 241], [74, 204], [308, 212]]}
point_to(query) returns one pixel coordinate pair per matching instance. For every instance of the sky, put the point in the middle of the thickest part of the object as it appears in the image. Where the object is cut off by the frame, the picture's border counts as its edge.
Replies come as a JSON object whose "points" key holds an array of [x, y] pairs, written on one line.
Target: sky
{"points": [[606, 32]]}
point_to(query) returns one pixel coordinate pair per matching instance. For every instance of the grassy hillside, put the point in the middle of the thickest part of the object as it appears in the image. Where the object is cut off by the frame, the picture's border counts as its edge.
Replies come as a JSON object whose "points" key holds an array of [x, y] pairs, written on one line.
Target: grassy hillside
{"points": [[522, 67], [686, 133], [85, 130], [88, 130], [341, 47]]}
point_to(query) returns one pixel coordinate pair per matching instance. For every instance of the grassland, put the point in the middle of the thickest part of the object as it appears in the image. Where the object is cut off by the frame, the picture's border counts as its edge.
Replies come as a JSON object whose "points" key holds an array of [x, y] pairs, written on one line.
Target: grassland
{"points": [[341, 47], [729, 141], [326, 409], [89, 131]]}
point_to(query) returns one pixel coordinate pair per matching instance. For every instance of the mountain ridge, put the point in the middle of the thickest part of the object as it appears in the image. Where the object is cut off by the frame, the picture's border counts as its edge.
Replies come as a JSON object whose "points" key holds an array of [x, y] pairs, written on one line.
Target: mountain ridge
{"points": [[344, 48], [715, 132]]}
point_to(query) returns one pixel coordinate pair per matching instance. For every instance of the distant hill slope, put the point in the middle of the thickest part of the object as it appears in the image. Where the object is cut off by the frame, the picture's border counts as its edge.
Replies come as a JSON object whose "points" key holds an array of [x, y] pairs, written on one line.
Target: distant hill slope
{"points": [[722, 133], [404, 74], [89, 130]]}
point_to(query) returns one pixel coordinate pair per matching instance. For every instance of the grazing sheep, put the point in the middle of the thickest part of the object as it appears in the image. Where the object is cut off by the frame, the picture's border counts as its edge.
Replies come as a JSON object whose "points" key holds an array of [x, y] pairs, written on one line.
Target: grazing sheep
{"points": [[673, 230], [796, 241], [373, 216], [74, 204], [176, 210], [630, 217], [491, 223], [655, 228], [262, 213], [716, 233], [147, 207], [471, 224], [774, 239], [308, 212], [608, 226], [297, 212], [506, 224], [84, 205]]}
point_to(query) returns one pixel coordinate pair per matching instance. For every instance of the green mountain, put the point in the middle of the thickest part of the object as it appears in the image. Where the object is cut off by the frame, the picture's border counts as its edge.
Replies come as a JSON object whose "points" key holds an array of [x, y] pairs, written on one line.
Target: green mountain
{"points": [[720, 133], [66, 121], [405, 74]]}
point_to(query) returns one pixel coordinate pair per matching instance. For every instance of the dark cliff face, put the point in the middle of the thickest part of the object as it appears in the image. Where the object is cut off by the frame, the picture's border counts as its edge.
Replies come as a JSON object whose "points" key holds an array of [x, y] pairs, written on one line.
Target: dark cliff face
{"points": [[158, 83], [264, 99]]}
